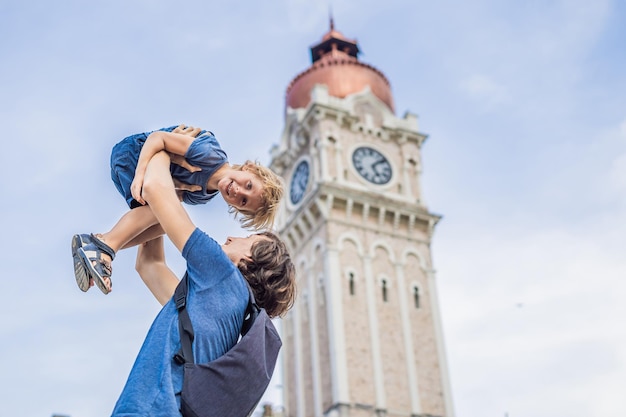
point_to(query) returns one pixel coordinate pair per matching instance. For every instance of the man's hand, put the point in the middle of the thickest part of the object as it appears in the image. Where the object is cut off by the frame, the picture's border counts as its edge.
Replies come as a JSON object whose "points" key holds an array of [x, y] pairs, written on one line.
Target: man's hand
{"points": [[187, 130], [182, 186], [180, 160], [137, 184]]}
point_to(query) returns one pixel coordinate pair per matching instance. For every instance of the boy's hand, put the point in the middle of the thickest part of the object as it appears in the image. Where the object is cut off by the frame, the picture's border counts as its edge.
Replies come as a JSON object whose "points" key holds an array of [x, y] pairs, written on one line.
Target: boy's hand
{"points": [[135, 189], [180, 160]]}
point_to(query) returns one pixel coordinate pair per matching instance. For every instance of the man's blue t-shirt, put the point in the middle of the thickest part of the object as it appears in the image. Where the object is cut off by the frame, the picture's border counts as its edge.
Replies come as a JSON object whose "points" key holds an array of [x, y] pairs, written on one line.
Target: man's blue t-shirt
{"points": [[216, 302]]}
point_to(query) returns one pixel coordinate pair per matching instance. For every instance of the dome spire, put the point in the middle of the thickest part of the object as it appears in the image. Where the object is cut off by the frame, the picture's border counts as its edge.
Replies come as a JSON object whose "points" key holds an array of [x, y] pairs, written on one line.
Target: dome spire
{"points": [[335, 63], [334, 40]]}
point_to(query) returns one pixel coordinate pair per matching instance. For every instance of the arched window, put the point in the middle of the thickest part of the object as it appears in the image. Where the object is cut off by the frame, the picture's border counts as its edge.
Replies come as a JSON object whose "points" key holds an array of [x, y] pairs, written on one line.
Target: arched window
{"points": [[321, 299]]}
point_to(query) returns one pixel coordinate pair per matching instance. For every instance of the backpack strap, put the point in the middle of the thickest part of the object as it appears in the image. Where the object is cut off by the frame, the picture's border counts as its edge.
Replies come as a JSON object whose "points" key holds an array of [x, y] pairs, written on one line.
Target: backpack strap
{"points": [[252, 311], [185, 328]]}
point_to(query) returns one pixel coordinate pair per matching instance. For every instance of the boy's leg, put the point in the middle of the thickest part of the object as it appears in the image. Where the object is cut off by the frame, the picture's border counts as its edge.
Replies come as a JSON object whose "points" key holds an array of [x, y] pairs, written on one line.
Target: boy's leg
{"points": [[147, 235], [130, 226]]}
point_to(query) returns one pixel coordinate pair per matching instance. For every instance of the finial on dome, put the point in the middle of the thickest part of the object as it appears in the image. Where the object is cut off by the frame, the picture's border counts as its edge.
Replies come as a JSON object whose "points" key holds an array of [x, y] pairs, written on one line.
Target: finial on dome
{"points": [[332, 21]]}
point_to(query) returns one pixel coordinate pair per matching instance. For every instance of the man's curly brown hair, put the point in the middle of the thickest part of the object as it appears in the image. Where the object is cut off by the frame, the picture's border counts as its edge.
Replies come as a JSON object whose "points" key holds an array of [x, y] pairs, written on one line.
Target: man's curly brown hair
{"points": [[271, 275]]}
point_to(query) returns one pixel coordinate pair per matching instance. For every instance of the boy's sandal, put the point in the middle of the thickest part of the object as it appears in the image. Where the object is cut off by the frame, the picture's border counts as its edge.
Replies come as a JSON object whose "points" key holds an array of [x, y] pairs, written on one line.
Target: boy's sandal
{"points": [[80, 272], [90, 253]]}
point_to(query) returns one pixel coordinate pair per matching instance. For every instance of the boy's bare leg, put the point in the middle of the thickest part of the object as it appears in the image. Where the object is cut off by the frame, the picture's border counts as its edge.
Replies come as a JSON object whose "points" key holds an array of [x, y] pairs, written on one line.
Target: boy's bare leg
{"points": [[147, 235], [131, 225]]}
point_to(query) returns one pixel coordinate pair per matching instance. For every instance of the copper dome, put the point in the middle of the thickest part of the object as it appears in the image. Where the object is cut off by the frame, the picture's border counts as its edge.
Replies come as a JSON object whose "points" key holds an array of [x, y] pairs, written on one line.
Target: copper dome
{"points": [[336, 65]]}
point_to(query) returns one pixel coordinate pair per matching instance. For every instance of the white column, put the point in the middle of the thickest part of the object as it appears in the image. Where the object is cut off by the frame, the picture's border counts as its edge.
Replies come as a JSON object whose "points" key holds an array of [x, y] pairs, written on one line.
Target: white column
{"points": [[315, 351], [418, 180], [336, 333], [297, 341], [411, 364], [339, 162], [322, 145], [406, 178], [443, 363], [370, 290]]}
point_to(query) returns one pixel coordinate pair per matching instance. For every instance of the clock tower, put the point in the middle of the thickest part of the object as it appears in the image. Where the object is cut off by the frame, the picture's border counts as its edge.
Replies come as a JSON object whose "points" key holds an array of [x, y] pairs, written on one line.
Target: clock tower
{"points": [[364, 337]]}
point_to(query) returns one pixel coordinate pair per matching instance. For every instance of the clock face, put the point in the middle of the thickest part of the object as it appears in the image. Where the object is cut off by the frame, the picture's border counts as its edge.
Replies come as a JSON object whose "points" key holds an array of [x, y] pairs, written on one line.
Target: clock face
{"points": [[299, 182], [372, 165]]}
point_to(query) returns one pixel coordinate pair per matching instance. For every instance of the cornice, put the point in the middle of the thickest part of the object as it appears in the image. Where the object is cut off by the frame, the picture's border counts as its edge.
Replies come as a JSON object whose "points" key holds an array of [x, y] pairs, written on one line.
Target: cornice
{"points": [[360, 208]]}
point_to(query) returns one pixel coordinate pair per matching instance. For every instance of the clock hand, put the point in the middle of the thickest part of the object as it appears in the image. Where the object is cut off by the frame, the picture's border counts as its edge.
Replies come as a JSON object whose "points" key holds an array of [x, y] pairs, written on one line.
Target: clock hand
{"points": [[375, 164]]}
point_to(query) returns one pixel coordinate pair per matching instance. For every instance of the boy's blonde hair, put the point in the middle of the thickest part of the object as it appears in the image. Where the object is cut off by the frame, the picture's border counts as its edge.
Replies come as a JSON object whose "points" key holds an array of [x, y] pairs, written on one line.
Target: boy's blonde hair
{"points": [[273, 191]]}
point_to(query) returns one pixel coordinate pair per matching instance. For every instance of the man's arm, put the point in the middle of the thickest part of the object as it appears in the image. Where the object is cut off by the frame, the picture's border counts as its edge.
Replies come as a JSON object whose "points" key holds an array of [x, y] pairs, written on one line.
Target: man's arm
{"points": [[154, 272], [158, 190], [172, 142]]}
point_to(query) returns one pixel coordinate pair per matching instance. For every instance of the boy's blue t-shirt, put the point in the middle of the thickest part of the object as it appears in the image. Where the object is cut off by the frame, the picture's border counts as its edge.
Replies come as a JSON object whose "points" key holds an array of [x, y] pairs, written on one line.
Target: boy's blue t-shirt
{"points": [[216, 302], [204, 152]]}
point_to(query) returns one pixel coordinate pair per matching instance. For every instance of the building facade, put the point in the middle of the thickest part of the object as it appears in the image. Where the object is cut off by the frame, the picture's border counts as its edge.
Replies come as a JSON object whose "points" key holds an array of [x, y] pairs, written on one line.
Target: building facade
{"points": [[365, 336]]}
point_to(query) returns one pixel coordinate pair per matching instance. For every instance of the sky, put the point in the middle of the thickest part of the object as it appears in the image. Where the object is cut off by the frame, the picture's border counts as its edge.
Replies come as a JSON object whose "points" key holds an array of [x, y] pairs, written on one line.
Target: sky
{"points": [[524, 105]]}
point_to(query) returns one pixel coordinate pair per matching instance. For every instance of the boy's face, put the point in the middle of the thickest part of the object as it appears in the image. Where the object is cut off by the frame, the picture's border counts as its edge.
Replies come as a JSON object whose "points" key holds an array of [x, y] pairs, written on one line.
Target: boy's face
{"points": [[242, 190]]}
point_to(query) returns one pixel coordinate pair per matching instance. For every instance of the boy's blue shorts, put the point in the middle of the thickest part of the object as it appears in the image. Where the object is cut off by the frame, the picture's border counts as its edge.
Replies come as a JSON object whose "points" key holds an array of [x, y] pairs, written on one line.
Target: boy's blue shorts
{"points": [[124, 158]]}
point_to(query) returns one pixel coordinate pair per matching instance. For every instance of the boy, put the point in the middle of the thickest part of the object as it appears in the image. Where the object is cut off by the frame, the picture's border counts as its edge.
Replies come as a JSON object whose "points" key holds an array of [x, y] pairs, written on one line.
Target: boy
{"points": [[201, 171], [216, 300]]}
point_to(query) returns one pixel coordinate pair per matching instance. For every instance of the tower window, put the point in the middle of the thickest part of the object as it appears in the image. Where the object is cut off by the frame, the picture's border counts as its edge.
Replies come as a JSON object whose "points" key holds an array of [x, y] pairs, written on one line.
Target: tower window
{"points": [[416, 297], [351, 283], [322, 292], [384, 288]]}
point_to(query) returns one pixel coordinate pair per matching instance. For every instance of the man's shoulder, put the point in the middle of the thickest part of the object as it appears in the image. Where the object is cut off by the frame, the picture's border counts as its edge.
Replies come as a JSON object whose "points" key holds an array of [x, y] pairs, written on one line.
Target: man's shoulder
{"points": [[207, 263], [200, 240], [200, 247]]}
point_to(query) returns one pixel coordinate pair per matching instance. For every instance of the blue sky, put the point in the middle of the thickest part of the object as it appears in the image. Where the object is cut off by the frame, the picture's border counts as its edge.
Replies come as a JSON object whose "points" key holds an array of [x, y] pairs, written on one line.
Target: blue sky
{"points": [[525, 107]]}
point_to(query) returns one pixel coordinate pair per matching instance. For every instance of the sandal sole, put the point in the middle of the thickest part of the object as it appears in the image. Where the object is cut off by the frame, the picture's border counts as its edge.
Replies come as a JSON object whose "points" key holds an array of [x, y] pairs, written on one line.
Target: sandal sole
{"points": [[80, 272]]}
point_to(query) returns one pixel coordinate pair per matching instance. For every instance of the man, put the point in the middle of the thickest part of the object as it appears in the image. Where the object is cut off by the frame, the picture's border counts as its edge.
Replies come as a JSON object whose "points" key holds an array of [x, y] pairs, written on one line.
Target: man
{"points": [[216, 300]]}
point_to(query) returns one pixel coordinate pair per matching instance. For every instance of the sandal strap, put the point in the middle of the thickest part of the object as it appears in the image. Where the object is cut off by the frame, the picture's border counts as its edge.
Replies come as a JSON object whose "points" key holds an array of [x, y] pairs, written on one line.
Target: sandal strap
{"points": [[103, 246], [94, 254]]}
